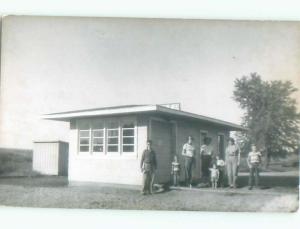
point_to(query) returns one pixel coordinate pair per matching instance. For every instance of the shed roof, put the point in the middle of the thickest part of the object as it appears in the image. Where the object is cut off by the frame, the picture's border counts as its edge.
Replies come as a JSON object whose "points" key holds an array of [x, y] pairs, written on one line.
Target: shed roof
{"points": [[134, 109]]}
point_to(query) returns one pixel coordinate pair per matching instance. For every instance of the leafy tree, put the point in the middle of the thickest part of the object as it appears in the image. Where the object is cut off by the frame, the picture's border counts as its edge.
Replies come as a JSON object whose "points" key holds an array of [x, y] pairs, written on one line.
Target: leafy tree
{"points": [[270, 115]]}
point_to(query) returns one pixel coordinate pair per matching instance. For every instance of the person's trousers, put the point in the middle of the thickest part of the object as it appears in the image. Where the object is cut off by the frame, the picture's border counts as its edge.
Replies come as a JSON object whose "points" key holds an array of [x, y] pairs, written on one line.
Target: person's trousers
{"points": [[221, 178], [254, 175], [175, 178], [188, 166], [232, 168], [148, 179], [205, 164]]}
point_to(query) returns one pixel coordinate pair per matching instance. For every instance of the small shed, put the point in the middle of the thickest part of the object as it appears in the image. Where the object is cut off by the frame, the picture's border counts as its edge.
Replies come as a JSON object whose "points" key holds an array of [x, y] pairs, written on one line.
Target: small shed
{"points": [[51, 157]]}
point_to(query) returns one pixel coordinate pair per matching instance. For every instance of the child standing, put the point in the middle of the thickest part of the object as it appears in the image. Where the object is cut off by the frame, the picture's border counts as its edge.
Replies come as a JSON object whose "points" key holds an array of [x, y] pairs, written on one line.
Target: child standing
{"points": [[175, 171], [254, 161], [214, 176]]}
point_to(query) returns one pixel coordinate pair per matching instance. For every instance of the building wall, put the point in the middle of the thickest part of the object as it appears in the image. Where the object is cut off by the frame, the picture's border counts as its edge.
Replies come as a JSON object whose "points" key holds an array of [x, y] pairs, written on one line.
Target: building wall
{"points": [[162, 141], [183, 129], [122, 169], [63, 158], [125, 169]]}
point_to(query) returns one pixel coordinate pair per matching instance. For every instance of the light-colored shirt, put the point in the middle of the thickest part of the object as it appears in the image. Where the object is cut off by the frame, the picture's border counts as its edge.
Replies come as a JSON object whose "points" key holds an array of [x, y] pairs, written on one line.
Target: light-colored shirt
{"points": [[175, 166], [220, 163], [206, 150], [254, 157], [188, 150], [214, 172], [232, 150]]}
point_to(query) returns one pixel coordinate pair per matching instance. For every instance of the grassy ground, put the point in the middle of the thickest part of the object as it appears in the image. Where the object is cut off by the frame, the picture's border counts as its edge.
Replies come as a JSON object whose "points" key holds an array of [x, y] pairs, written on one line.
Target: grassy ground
{"points": [[279, 191], [14, 162], [55, 192]]}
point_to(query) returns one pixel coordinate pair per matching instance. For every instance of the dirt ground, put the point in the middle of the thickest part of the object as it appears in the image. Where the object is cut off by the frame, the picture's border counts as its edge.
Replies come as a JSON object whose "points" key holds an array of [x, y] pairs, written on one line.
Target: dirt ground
{"points": [[55, 192]]}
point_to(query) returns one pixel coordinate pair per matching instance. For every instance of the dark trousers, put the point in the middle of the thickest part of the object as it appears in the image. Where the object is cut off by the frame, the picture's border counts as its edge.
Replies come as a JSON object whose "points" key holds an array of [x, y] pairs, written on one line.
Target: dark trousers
{"points": [[205, 165], [148, 178], [221, 178], [188, 166], [254, 175], [175, 178]]}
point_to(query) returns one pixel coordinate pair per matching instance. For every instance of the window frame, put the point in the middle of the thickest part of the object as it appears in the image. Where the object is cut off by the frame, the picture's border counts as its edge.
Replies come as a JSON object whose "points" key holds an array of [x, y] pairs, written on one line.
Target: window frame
{"points": [[134, 137], [119, 127], [111, 137], [202, 140], [92, 141], [89, 141]]}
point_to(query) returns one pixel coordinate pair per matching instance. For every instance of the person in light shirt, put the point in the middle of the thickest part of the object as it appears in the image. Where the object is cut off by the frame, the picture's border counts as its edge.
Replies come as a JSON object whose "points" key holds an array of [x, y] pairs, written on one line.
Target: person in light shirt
{"points": [[254, 161], [232, 154], [188, 152]]}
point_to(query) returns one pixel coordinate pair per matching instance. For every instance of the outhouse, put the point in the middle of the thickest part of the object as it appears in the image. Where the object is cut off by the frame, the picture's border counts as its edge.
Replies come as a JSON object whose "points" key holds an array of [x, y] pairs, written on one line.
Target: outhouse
{"points": [[50, 157]]}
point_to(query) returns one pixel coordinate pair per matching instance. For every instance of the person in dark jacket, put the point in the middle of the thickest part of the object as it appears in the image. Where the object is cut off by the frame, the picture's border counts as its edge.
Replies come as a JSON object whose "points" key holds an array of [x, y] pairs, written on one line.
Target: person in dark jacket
{"points": [[148, 166], [206, 154]]}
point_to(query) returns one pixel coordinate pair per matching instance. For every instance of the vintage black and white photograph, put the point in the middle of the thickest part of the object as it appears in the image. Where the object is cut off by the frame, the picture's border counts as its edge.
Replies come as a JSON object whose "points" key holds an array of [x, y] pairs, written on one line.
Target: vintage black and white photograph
{"points": [[149, 114]]}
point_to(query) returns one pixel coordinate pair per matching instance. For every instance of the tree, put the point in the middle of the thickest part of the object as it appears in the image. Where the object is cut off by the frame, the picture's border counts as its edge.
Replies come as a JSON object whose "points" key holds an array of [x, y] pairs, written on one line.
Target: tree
{"points": [[270, 115]]}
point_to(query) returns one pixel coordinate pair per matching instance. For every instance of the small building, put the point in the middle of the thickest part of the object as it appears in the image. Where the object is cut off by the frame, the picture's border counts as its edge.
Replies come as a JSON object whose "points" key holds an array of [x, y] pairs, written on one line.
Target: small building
{"points": [[106, 143], [50, 157]]}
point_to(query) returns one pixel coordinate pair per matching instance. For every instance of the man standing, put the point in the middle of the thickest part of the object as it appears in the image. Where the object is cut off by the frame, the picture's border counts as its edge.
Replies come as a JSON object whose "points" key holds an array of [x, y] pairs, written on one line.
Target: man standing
{"points": [[148, 166], [188, 151], [232, 154]]}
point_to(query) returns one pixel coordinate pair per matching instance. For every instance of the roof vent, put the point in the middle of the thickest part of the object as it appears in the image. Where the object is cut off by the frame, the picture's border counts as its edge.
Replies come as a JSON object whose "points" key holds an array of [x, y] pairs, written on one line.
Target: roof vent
{"points": [[174, 106]]}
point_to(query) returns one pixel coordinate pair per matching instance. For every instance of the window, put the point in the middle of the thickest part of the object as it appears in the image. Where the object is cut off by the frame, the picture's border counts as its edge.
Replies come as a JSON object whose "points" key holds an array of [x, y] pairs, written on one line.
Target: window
{"points": [[98, 140], [128, 135], [97, 137], [113, 137], [101, 137], [203, 135], [84, 140]]}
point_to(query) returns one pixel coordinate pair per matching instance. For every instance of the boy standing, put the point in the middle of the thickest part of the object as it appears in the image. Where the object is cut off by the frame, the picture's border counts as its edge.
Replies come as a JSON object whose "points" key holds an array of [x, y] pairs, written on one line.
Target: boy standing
{"points": [[254, 161]]}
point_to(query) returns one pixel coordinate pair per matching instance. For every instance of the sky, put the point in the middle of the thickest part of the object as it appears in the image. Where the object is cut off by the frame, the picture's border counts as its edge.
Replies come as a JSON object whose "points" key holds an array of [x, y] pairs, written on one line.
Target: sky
{"points": [[53, 64]]}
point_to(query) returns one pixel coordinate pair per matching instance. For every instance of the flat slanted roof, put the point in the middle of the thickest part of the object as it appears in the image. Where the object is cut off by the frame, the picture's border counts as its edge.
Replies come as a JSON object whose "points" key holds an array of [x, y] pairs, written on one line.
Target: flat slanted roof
{"points": [[133, 109]]}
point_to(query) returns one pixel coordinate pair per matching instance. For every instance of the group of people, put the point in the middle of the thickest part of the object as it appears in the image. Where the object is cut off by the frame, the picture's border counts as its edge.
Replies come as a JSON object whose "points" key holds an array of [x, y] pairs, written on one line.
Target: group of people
{"points": [[213, 167]]}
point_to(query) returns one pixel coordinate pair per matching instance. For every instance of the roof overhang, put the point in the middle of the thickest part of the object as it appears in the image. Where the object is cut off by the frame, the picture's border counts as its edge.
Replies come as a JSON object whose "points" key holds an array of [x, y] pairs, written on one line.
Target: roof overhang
{"points": [[67, 116]]}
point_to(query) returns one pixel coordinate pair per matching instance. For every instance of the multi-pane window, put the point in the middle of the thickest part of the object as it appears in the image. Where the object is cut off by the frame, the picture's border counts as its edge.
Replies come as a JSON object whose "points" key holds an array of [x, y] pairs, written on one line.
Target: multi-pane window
{"points": [[98, 140], [128, 135], [84, 140], [113, 137], [99, 136]]}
